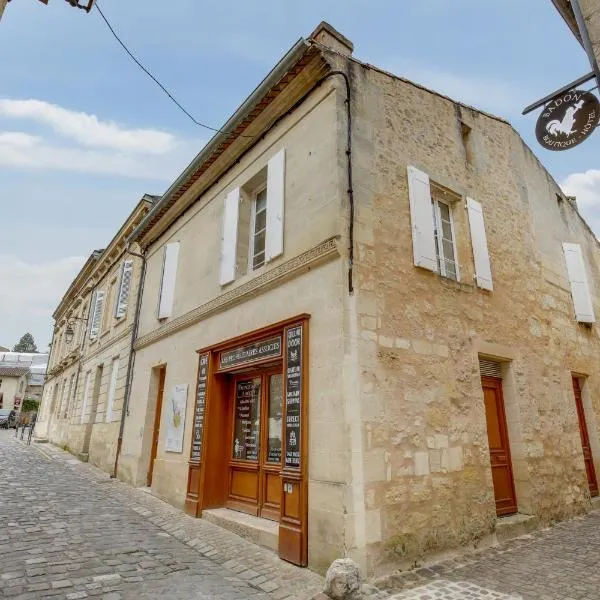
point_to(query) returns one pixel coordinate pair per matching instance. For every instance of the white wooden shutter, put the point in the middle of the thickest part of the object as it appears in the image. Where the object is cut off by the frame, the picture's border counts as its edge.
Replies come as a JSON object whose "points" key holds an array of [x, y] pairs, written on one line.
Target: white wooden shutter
{"points": [[481, 256], [111, 390], [229, 236], [124, 289], [96, 315], [169, 274], [275, 206], [421, 217], [582, 299]]}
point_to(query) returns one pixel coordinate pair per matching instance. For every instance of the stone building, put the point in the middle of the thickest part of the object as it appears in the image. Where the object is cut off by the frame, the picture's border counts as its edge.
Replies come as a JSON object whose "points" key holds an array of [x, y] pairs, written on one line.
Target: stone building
{"points": [[367, 321], [35, 364], [89, 362], [590, 10], [13, 383]]}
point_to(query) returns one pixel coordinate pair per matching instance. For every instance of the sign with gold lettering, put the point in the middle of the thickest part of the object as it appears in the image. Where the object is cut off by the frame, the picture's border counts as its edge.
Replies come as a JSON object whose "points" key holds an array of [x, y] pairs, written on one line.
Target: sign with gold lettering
{"points": [[257, 351], [198, 429], [293, 397]]}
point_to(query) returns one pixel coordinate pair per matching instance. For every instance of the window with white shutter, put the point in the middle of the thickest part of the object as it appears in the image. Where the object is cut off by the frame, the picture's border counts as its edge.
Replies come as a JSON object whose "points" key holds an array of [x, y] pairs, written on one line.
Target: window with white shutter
{"points": [[96, 315], [580, 291], [169, 275], [423, 232], [124, 289], [229, 236], [110, 401], [481, 257], [275, 206]]}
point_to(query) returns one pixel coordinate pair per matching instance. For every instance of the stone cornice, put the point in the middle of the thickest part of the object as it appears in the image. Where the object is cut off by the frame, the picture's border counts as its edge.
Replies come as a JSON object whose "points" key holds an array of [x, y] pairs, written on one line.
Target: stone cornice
{"points": [[127, 332], [75, 357], [290, 269]]}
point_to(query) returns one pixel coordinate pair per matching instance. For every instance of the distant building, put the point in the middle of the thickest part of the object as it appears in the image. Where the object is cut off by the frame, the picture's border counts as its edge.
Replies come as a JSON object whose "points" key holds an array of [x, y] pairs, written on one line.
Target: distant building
{"points": [[33, 364], [89, 361], [13, 383]]}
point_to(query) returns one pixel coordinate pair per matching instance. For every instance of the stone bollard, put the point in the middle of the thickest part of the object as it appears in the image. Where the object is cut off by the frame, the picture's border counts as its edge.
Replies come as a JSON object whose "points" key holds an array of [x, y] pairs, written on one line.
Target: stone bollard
{"points": [[342, 581]]}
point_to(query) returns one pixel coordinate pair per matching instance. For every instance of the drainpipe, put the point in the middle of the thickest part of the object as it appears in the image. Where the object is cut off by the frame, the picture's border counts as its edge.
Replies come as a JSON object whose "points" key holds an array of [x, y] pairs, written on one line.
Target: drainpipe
{"points": [[134, 332], [585, 38]]}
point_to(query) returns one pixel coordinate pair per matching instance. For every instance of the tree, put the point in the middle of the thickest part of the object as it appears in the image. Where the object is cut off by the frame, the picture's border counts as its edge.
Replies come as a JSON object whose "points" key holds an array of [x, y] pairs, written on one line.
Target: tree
{"points": [[26, 344]]}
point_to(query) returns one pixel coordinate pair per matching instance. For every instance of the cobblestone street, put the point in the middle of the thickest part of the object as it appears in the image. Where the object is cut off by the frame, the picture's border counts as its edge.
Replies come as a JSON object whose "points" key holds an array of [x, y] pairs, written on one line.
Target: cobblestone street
{"points": [[67, 531]]}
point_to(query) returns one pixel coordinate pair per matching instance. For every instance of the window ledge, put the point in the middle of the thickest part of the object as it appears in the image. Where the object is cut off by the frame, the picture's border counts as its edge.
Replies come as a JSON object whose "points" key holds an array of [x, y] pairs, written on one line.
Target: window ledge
{"points": [[460, 286]]}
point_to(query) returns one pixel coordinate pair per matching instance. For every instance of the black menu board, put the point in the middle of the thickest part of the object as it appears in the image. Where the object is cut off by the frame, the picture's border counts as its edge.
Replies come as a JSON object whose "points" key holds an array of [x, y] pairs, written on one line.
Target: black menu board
{"points": [[293, 396], [197, 431], [247, 419]]}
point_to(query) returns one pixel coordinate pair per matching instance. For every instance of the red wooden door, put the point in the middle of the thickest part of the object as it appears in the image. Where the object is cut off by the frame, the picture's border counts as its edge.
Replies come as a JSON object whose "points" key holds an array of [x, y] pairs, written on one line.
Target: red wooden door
{"points": [[585, 440], [156, 429], [502, 475]]}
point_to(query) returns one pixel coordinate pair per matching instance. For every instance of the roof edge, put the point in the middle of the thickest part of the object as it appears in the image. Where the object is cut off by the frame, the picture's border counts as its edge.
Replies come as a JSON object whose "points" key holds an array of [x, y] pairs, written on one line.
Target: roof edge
{"points": [[96, 256], [566, 12], [273, 77]]}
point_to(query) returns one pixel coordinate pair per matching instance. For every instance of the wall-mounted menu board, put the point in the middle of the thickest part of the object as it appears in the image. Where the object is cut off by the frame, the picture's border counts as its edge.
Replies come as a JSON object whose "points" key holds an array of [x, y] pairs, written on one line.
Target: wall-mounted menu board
{"points": [[197, 432], [293, 396], [246, 437]]}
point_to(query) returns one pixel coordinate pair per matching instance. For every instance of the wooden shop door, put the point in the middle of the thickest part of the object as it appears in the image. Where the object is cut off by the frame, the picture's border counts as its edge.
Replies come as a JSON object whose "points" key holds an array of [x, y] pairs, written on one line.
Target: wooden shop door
{"points": [[162, 371], [502, 475], [585, 440], [255, 448]]}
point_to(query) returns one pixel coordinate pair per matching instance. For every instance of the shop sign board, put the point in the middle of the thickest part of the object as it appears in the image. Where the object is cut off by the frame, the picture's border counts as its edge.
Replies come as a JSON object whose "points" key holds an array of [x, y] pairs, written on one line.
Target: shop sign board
{"points": [[257, 351], [567, 120], [198, 429], [293, 397]]}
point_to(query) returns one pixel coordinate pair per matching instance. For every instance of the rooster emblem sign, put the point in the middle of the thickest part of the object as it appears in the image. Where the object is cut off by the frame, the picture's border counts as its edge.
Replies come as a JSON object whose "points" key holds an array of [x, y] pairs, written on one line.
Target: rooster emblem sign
{"points": [[567, 120]]}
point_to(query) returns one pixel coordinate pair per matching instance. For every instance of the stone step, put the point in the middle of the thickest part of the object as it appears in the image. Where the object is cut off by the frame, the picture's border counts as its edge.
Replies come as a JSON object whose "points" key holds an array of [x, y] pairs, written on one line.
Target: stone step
{"points": [[515, 525], [262, 532]]}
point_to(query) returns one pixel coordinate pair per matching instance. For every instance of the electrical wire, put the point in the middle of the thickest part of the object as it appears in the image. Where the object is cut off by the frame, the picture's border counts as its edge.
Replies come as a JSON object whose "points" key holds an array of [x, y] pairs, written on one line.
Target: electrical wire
{"points": [[156, 81]]}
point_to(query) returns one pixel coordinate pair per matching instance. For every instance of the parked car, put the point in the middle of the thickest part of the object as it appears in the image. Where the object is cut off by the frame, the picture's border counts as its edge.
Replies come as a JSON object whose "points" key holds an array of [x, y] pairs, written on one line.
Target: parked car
{"points": [[8, 418]]}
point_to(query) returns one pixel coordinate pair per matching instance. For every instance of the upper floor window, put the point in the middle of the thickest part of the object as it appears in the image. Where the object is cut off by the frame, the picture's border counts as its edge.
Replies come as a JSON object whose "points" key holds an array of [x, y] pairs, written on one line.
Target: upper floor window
{"points": [[444, 239], [433, 235], [107, 314], [124, 289], [259, 229], [96, 313], [252, 232]]}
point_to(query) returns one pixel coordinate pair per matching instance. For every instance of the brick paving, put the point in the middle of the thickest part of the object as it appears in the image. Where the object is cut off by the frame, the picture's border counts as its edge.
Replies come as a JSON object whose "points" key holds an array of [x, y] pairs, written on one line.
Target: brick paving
{"points": [[67, 531]]}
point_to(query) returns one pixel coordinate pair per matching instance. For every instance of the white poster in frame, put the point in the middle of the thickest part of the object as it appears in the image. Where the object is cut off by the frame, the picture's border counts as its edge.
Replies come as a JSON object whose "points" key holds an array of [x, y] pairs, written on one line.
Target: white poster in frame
{"points": [[176, 409]]}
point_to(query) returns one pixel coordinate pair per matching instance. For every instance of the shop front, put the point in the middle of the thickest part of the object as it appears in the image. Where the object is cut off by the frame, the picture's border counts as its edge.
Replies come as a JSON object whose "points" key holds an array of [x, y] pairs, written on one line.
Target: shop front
{"points": [[249, 440]]}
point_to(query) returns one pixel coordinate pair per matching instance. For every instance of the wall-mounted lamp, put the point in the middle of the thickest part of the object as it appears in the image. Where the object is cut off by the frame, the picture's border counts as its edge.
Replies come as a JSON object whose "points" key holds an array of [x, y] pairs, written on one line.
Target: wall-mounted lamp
{"points": [[69, 331]]}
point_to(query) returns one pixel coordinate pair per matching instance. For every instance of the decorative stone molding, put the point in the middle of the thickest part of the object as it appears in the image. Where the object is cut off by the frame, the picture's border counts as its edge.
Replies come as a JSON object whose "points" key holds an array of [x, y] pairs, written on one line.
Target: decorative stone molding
{"points": [[111, 342], [298, 265]]}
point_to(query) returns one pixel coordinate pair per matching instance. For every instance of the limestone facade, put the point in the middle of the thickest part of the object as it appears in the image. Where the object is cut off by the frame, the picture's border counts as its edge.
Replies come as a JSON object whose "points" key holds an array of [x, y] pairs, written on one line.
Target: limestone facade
{"points": [[84, 391], [398, 456]]}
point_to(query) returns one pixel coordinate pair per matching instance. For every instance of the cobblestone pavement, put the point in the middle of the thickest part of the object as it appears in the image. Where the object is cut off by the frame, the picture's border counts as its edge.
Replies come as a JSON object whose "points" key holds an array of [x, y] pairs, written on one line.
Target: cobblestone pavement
{"points": [[558, 563], [67, 531]]}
